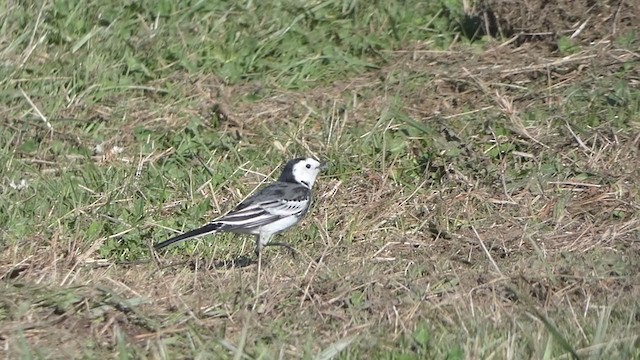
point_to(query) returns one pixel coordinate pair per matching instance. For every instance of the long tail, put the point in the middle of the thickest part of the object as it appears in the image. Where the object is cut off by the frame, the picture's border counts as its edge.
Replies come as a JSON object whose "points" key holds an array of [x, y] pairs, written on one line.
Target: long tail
{"points": [[207, 229]]}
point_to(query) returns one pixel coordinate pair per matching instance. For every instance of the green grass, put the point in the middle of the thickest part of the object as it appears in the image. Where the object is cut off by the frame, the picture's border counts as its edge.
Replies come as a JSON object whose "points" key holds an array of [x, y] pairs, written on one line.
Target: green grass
{"points": [[469, 211]]}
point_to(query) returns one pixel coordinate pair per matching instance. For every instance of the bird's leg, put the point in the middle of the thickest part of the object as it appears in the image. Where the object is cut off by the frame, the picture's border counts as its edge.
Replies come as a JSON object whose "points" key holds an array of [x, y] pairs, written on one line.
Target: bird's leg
{"points": [[259, 256], [263, 241], [255, 304], [258, 247]]}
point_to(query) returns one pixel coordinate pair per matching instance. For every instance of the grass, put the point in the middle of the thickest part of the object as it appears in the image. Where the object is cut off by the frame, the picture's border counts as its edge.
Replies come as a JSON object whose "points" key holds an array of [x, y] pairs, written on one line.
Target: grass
{"points": [[479, 204]]}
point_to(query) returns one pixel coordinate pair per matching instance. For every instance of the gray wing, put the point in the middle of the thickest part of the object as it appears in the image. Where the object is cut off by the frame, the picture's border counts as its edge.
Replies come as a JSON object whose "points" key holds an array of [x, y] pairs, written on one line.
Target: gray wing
{"points": [[274, 202]]}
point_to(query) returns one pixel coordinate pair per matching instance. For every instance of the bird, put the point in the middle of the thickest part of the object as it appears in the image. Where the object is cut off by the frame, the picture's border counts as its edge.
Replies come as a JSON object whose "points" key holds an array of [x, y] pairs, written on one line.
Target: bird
{"points": [[273, 209]]}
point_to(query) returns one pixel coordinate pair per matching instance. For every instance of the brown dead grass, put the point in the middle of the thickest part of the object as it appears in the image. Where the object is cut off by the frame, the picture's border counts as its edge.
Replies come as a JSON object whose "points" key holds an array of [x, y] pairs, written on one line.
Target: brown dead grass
{"points": [[541, 22]]}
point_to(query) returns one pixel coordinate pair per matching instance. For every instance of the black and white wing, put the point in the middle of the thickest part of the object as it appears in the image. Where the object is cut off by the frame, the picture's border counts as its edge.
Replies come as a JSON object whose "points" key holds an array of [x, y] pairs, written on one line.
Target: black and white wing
{"points": [[275, 202]]}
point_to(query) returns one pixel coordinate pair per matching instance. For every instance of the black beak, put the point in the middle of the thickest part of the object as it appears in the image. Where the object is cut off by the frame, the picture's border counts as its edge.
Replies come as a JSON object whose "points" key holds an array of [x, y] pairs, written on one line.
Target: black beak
{"points": [[323, 166]]}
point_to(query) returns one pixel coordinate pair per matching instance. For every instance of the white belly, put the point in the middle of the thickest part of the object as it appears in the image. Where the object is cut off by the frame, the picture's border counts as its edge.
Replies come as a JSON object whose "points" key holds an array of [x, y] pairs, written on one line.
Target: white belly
{"points": [[278, 226]]}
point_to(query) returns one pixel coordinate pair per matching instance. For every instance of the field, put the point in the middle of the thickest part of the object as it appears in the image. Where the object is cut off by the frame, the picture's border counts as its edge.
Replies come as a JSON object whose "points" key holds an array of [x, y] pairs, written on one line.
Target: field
{"points": [[482, 200]]}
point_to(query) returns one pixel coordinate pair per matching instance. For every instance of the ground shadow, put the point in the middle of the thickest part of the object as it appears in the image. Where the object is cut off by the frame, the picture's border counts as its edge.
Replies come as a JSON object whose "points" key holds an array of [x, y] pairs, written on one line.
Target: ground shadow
{"points": [[237, 263]]}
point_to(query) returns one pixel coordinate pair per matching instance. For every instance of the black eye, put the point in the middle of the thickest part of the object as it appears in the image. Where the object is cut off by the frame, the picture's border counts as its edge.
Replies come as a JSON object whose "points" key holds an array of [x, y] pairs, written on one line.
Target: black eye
{"points": [[308, 166]]}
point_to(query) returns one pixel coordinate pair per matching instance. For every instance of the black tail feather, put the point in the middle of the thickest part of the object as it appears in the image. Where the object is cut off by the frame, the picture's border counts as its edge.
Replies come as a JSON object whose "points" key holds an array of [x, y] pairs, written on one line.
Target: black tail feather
{"points": [[207, 229]]}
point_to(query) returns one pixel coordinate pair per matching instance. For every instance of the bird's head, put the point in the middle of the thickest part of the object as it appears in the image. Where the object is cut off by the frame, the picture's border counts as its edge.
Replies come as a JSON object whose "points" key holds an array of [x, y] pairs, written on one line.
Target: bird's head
{"points": [[302, 171]]}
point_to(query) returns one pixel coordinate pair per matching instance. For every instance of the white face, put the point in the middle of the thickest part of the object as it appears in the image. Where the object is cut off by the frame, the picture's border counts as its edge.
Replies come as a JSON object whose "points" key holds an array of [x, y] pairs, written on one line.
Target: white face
{"points": [[306, 171]]}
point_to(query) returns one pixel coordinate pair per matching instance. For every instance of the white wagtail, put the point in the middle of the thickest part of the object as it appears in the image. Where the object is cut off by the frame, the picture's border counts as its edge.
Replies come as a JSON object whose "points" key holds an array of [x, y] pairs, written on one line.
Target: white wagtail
{"points": [[270, 211]]}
